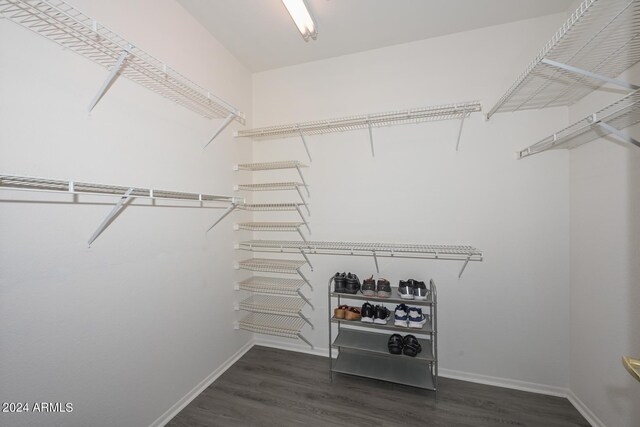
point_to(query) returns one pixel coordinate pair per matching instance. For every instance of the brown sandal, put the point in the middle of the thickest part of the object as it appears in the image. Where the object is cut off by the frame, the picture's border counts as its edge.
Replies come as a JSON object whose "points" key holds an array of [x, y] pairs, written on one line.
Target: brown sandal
{"points": [[353, 313], [339, 312]]}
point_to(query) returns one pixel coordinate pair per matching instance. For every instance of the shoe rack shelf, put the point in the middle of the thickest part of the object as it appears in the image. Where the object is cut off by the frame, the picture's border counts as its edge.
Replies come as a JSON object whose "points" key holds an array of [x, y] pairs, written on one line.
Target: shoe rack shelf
{"points": [[377, 343], [365, 353], [125, 194], [594, 46], [375, 250], [458, 111], [62, 23], [608, 121]]}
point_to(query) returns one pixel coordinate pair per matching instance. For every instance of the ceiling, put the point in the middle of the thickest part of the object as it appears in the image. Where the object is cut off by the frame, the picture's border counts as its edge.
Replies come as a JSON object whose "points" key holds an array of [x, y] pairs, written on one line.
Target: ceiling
{"points": [[261, 34]]}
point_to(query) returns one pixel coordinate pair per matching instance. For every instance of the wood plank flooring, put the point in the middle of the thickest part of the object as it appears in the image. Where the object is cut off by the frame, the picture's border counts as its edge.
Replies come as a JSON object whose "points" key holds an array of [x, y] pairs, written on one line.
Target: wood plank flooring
{"points": [[270, 387]]}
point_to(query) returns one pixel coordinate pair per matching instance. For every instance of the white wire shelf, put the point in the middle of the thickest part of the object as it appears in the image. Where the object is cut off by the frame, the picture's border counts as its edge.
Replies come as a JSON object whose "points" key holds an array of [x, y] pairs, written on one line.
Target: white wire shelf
{"points": [[269, 206], [286, 266], [46, 185], [597, 43], [72, 29], [271, 186], [272, 285], [619, 115], [270, 226], [274, 304], [397, 250], [416, 115], [286, 164], [269, 324]]}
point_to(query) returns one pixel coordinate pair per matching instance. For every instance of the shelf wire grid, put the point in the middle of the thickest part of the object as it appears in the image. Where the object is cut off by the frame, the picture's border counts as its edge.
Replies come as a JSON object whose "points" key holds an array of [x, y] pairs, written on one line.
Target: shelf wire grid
{"points": [[261, 166], [262, 207], [271, 186], [14, 182], [272, 285], [72, 29], [270, 226], [273, 304], [621, 114], [285, 266], [271, 324], [416, 115], [408, 250], [601, 36]]}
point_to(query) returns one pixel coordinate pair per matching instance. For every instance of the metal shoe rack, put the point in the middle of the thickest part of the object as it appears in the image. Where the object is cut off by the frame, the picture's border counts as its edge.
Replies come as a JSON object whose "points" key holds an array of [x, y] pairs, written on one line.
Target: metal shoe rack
{"points": [[596, 44], [362, 347], [275, 303]]}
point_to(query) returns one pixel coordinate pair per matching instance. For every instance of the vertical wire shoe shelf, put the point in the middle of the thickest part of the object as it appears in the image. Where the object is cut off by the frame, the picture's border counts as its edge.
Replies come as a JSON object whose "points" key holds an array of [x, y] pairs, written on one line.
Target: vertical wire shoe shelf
{"points": [[275, 303]]}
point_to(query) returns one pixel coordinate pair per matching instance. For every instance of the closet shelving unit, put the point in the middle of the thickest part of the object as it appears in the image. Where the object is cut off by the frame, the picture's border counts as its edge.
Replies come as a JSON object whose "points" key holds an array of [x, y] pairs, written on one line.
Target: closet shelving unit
{"points": [[618, 115], [364, 352], [596, 44], [369, 121], [279, 312], [375, 250], [62, 23], [126, 194], [275, 301]]}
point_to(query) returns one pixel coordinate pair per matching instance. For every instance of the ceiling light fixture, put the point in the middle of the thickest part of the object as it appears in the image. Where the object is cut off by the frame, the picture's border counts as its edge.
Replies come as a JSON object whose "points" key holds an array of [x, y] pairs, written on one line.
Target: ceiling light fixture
{"points": [[302, 17]]}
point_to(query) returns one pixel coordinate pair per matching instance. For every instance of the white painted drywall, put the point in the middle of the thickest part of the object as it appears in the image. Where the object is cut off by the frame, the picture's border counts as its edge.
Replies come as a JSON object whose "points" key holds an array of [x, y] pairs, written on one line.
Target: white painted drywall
{"points": [[507, 317], [125, 329], [605, 268]]}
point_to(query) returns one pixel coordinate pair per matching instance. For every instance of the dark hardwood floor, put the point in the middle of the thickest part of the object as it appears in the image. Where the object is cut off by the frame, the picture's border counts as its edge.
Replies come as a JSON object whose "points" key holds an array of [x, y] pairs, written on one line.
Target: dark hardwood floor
{"points": [[270, 387]]}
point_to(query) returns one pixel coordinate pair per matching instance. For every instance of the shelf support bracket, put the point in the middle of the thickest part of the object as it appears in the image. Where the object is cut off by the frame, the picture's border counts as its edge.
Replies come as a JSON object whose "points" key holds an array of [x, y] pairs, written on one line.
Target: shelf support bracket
{"points": [[223, 125], [464, 266], [304, 239], [306, 258], [464, 113], [589, 74], [373, 154], [301, 295], [112, 215], [304, 202], [303, 180], [224, 214], [304, 278], [306, 319], [619, 134], [304, 142], [303, 219], [375, 259], [305, 340], [113, 75]]}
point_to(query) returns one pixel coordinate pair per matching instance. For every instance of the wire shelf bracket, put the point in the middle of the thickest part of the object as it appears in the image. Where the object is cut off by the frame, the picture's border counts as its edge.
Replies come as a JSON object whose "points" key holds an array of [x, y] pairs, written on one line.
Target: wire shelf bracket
{"points": [[61, 23], [375, 250], [227, 211], [595, 45], [608, 121], [368, 122], [125, 194], [222, 126]]}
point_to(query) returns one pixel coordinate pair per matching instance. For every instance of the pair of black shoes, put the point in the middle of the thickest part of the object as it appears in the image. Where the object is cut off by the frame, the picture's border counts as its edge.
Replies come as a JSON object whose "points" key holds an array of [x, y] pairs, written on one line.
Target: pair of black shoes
{"points": [[408, 345], [346, 283]]}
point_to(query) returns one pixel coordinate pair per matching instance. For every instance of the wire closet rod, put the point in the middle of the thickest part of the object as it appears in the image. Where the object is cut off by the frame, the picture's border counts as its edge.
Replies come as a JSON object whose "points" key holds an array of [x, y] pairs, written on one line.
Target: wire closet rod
{"points": [[14, 182]]}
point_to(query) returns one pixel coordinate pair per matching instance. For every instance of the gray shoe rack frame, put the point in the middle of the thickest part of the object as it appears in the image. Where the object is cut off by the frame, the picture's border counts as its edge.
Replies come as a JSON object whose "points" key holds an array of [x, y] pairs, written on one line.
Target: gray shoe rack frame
{"points": [[362, 347]]}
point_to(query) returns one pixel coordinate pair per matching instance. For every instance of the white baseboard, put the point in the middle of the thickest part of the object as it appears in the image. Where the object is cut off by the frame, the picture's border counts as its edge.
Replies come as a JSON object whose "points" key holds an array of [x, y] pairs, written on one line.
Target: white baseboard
{"points": [[293, 346], [187, 398], [584, 410], [505, 382]]}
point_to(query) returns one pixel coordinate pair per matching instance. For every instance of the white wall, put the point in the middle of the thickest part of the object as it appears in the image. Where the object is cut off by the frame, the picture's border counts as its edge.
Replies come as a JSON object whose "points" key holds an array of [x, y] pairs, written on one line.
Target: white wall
{"points": [[507, 317], [125, 329], [605, 272]]}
